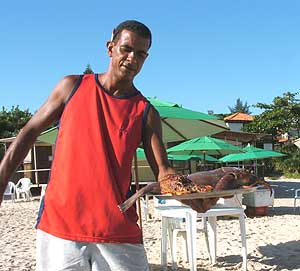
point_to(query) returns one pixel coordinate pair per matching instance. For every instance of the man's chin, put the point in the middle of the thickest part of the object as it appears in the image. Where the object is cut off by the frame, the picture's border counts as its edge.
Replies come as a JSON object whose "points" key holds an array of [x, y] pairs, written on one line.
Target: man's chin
{"points": [[127, 75]]}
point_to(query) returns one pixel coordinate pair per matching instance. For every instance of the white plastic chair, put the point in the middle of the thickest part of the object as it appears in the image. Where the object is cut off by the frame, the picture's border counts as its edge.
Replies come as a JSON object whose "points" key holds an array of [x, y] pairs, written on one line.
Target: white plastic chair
{"points": [[297, 196], [10, 191], [169, 216], [145, 206], [23, 188]]}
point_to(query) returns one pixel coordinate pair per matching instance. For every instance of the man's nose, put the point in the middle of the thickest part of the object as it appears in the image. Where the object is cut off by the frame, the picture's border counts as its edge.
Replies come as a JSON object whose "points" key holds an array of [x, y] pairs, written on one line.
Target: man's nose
{"points": [[132, 55]]}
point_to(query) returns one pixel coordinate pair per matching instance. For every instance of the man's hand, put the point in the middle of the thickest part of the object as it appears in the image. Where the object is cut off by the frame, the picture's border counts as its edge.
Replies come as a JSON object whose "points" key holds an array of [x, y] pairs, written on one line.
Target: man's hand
{"points": [[200, 205]]}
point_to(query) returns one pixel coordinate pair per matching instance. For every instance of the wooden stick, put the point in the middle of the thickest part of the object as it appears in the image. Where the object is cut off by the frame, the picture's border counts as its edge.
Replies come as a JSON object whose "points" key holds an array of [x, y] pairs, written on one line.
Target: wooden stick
{"points": [[137, 187]]}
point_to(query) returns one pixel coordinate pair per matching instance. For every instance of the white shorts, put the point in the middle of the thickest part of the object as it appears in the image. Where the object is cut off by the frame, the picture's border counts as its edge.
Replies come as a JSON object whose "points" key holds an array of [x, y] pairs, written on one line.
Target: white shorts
{"points": [[55, 254]]}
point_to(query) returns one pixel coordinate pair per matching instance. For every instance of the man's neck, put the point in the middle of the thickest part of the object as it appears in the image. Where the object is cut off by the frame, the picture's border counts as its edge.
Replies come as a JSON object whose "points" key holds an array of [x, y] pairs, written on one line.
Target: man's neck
{"points": [[116, 87]]}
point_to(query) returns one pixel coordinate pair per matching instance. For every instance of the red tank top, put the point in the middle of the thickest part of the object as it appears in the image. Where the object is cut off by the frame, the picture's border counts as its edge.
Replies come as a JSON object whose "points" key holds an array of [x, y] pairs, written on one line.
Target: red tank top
{"points": [[91, 170]]}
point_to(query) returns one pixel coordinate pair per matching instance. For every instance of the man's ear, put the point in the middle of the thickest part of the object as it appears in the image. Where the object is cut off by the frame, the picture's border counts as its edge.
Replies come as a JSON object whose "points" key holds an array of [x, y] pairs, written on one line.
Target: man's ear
{"points": [[109, 46]]}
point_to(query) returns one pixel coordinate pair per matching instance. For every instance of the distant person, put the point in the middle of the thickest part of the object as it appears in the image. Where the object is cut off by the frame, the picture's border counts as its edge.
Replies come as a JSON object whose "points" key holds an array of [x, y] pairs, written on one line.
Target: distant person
{"points": [[103, 119]]}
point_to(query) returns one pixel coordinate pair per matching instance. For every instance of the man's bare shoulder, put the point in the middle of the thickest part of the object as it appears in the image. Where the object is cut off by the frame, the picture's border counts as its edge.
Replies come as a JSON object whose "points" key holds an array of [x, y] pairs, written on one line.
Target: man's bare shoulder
{"points": [[69, 80], [153, 115], [65, 86], [71, 77]]}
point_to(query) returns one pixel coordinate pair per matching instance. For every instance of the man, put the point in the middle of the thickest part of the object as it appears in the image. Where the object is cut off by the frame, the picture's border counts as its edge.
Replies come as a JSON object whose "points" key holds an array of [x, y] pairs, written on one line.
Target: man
{"points": [[103, 118]]}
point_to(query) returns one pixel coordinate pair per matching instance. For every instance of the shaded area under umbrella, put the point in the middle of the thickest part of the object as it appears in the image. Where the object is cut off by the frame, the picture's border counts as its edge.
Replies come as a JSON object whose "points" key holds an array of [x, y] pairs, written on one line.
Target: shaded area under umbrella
{"points": [[251, 153], [189, 158], [185, 157], [49, 136], [178, 157]]}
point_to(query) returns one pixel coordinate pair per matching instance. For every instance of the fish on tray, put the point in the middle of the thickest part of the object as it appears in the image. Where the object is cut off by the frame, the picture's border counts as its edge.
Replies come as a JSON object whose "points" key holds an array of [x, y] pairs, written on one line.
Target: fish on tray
{"points": [[225, 178]]}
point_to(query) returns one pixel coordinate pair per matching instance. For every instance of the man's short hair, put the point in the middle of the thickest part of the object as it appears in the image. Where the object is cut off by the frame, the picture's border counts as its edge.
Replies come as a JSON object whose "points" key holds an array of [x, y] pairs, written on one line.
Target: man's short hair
{"points": [[133, 26]]}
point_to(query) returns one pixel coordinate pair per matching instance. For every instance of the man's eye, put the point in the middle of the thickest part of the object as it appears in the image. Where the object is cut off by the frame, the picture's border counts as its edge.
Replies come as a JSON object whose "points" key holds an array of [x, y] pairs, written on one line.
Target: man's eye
{"points": [[142, 55], [126, 49]]}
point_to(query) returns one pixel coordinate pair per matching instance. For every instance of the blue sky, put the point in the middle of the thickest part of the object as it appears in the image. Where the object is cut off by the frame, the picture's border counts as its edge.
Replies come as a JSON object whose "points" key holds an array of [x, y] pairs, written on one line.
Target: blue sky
{"points": [[205, 54]]}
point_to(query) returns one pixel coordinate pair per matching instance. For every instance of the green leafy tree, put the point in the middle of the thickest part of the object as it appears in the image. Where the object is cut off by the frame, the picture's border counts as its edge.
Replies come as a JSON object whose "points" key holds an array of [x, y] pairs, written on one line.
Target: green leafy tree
{"points": [[240, 107], [280, 117], [11, 122], [290, 164], [88, 69]]}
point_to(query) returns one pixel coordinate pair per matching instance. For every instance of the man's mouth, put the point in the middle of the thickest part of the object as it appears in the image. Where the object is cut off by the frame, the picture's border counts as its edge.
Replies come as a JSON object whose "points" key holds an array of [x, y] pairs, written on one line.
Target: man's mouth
{"points": [[128, 67]]}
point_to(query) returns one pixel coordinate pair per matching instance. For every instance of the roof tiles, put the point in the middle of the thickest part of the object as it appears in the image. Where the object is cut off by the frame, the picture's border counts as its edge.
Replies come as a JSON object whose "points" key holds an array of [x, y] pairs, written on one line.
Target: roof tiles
{"points": [[239, 117]]}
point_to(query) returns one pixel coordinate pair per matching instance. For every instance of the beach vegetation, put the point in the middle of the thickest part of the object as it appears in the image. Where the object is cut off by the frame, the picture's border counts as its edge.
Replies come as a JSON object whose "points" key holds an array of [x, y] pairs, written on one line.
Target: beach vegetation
{"points": [[280, 117], [289, 165], [11, 122]]}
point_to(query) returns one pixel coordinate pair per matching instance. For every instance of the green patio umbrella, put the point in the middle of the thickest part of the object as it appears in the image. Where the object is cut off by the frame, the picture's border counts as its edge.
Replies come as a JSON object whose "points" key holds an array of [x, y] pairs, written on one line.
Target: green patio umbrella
{"points": [[140, 154], [178, 157], [204, 145], [157, 102], [178, 123], [251, 153]]}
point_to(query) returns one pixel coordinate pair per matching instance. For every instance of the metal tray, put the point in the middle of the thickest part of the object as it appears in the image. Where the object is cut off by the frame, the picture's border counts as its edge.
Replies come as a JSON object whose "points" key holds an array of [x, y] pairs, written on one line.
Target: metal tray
{"points": [[206, 195]]}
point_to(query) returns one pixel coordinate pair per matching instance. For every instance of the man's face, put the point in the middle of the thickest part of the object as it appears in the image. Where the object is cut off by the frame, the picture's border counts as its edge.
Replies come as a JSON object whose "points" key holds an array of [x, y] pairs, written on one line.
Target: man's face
{"points": [[128, 54]]}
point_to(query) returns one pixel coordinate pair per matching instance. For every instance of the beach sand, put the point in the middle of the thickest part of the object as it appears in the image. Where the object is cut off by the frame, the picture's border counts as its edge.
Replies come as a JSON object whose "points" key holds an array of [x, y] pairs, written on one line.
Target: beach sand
{"points": [[273, 241]]}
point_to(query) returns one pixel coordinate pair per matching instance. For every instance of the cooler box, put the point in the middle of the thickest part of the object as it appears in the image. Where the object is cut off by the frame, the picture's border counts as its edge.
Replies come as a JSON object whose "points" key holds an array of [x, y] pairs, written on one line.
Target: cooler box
{"points": [[257, 202], [260, 197], [256, 211]]}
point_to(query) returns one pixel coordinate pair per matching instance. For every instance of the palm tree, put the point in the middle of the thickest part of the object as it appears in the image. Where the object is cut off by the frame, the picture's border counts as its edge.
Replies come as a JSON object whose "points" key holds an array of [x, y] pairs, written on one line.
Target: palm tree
{"points": [[88, 69], [240, 107]]}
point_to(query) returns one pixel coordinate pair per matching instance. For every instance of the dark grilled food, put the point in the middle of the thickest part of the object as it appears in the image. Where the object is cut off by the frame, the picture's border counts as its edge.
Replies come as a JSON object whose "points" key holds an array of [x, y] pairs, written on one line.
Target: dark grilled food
{"points": [[225, 178], [176, 184]]}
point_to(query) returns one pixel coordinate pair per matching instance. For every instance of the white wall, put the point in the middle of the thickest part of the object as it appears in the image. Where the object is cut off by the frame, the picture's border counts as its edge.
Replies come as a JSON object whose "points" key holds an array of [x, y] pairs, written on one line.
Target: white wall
{"points": [[235, 126]]}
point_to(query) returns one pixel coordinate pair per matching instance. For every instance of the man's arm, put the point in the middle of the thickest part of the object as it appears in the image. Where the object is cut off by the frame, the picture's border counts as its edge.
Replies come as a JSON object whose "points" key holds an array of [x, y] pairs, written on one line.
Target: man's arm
{"points": [[48, 113], [154, 149], [158, 160]]}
